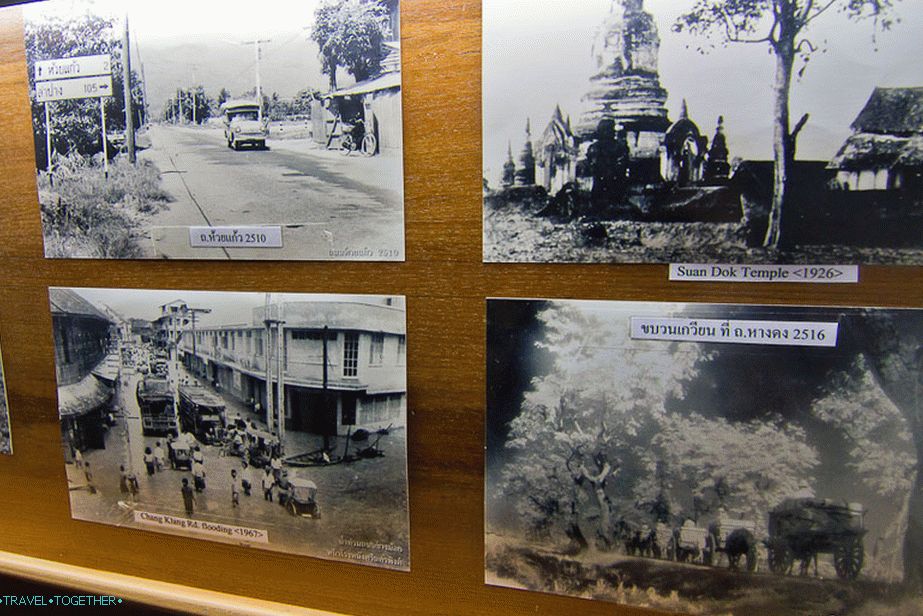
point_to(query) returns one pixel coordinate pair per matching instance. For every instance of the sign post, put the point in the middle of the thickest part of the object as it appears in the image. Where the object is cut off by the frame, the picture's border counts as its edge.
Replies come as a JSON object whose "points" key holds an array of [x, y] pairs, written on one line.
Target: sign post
{"points": [[48, 138], [102, 118], [71, 78]]}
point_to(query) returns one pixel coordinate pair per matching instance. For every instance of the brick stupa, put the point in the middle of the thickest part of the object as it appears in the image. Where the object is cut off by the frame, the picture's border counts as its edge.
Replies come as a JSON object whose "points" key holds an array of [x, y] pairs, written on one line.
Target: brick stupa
{"points": [[627, 87]]}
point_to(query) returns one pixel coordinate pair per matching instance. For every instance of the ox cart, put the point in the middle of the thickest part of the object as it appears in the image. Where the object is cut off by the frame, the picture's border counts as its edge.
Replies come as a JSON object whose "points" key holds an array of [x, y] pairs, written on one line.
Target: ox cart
{"points": [[802, 528]]}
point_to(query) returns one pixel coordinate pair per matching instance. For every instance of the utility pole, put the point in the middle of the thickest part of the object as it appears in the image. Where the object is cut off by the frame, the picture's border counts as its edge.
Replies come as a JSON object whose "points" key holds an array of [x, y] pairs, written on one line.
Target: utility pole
{"points": [[193, 95], [267, 348], [326, 395], [126, 83], [259, 88], [280, 360], [144, 107], [175, 349], [195, 312]]}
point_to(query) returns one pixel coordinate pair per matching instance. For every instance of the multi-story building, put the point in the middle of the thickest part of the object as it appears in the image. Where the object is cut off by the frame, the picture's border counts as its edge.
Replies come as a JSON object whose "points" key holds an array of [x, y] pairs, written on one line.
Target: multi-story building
{"points": [[83, 336], [171, 320], [343, 363]]}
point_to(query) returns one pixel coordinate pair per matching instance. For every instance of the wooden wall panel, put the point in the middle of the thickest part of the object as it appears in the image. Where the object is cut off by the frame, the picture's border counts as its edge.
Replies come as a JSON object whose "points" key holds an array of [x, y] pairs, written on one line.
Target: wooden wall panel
{"points": [[446, 285]]}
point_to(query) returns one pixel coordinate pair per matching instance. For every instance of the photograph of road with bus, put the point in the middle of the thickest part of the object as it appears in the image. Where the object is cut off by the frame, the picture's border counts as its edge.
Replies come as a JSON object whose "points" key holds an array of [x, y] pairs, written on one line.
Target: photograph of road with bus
{"points": [[729, 460], [168, 425], [253, 131]]}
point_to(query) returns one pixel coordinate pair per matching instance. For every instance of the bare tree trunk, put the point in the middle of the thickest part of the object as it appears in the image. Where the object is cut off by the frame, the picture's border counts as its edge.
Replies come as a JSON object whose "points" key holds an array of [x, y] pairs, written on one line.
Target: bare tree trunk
{"points": [[782, 141], [605, 515], [578, 542]]}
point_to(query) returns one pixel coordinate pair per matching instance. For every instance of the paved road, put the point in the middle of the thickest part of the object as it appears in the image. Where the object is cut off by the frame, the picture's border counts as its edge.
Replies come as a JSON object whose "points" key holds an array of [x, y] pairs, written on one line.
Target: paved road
{"points": [[328, 204]]}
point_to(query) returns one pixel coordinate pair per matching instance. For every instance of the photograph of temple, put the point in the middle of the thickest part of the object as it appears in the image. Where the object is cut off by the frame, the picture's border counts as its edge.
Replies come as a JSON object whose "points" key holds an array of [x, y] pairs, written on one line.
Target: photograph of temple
{"points": [[670, 139]]}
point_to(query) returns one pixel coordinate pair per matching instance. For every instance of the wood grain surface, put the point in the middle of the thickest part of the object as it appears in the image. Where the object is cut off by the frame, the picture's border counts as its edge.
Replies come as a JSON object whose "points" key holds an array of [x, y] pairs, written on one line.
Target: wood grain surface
{"points": [[446, 285]]}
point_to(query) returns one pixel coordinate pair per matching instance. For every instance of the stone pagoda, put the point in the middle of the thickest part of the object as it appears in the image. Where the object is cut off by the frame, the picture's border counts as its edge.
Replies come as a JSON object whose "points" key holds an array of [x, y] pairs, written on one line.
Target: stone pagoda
{"points": [[626, 88]]}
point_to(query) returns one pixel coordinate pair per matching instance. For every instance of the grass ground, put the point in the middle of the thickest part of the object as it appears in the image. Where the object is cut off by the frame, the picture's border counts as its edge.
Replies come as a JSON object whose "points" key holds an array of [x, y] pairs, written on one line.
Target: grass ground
{"points": [[87, 214], [514, 234], [686, 588]]}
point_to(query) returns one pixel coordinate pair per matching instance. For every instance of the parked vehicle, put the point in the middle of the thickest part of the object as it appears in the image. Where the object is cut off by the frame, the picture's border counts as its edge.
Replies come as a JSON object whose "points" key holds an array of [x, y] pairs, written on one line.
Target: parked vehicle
{"points": [[356, 139], [262, 447], [802, 528], [180, 455], [302, 498], [242, 125], [201, 412], [160, 367], [155, 400]]}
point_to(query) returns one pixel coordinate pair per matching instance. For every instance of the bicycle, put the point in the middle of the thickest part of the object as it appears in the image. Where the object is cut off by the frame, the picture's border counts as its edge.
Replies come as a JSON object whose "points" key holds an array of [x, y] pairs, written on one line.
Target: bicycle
{"points": [[367, 145]]}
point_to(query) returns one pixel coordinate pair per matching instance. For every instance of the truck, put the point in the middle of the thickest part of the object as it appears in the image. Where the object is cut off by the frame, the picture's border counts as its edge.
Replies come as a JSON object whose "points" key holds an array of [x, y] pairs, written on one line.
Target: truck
{"points": [[201, 412], [155, 400], [242, 124]]}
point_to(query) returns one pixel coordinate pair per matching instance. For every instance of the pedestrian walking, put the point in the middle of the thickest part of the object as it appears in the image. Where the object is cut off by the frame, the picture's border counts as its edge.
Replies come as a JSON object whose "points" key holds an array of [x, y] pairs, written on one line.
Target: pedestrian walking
{"points": [[86, 472], [267, 482], [246, 478], [78, 458], [198, 475], [188, 497], [197, 455], [149, 461], [123, 481], [158, 456], [276, 465], [235, 488], [133, 488]]}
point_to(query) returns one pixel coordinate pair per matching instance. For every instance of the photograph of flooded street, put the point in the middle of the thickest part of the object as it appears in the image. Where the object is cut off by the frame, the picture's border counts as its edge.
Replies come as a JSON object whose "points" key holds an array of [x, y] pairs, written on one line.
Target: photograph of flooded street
{"points": [[168, 425]]}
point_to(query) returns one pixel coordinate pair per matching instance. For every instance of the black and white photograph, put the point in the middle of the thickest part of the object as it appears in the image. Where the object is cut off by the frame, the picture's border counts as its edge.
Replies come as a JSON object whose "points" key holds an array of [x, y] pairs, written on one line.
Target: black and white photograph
{"points": [[203, 130], [706, 459], [266, 420], [703, 131], [5, 442]]}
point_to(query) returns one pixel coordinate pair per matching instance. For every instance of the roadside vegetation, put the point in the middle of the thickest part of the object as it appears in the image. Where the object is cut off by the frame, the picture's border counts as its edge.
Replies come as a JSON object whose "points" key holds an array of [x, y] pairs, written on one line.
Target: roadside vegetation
{"points": [[85, 214]]}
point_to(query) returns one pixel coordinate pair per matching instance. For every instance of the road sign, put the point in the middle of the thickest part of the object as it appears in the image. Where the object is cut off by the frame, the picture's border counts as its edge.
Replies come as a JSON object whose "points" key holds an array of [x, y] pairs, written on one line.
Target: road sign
{"points": [[67, 68], [83, 87]]}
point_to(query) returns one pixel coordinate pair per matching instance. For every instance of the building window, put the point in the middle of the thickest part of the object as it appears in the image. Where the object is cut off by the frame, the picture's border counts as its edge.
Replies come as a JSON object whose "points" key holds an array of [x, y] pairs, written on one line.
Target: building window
{"points": [[377, 350], [380, 409], [259, 346], [401, 350], [66, 344], [350, 354]]}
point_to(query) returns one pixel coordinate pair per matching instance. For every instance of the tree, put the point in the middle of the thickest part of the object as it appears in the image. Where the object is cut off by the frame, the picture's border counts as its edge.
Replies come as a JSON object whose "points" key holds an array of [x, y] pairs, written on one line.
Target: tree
{"points": [[891, 342], [783, 25], [746, 467], [349, 34], [76, 123], [581, 441], [868, 389]]}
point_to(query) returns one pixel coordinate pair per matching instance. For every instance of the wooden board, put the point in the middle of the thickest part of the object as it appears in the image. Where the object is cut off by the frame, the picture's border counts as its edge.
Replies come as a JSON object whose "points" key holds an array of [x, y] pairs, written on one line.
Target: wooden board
{"points": [[445, 283]]}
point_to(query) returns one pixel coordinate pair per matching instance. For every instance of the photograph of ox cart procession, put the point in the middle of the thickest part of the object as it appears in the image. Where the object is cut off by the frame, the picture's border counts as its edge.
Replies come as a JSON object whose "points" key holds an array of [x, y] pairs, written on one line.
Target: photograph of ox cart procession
{"points": [[707, 459], [703, 131], [168, 423]]}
